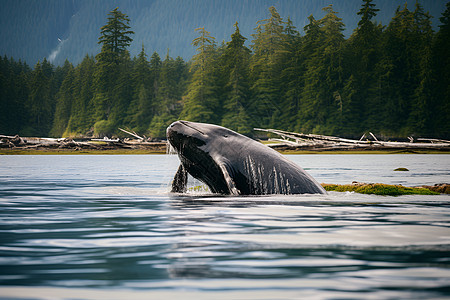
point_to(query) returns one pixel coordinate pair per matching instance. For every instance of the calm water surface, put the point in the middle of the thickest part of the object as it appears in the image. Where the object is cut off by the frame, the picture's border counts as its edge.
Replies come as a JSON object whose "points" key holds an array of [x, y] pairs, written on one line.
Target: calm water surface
{"points": [[105, 227]]}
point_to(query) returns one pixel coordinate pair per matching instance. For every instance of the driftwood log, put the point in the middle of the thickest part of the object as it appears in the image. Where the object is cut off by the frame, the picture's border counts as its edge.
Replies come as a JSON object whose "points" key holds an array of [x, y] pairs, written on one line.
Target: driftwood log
{"points": [[293, 140], [34, 143], [10, 141]]}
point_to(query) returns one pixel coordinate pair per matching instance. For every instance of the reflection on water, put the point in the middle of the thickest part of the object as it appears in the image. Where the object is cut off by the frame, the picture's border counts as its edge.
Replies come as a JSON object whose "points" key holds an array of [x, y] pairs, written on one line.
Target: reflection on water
{"points": [[104, 227]]}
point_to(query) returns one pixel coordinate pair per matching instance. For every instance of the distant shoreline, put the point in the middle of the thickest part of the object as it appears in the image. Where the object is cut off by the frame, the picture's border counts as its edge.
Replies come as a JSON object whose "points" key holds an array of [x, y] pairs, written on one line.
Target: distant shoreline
{"points": [[15, 145], [162, 150]]}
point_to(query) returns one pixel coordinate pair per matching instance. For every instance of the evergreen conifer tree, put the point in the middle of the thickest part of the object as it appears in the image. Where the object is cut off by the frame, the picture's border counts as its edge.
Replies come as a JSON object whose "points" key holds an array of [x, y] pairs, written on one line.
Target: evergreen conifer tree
{"points": [[82, 116], [401, 68], [291, 71], [440, 108], [64, 100], [112, 90], [40, 101], [320, 105], [201, 103], [170, 89], [363, 54], [140, 109], [236, 58], [265, 80], [311, 43], [14, 93], [420, 117], [115, 37]]}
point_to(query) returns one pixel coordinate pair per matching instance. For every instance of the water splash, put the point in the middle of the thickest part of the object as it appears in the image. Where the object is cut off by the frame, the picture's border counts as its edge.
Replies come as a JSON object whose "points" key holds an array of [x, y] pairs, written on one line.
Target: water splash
{"points": [[256, 171], [196, 187], [170, 149], [277, 183]]}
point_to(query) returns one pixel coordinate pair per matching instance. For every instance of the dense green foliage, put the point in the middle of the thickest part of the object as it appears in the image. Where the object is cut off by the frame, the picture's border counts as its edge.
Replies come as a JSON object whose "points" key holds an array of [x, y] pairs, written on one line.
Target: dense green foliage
{"points": [[392, 80]]}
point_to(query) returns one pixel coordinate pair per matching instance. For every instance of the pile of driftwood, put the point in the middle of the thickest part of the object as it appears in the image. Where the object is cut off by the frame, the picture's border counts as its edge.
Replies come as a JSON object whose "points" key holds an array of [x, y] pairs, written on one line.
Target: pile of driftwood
{"points": [[300, 141], [286, 141], [34, 143]]}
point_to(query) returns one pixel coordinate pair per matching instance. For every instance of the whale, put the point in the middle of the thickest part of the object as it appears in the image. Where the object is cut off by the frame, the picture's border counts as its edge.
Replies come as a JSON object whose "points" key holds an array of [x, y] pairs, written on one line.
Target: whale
{"points": [[230, 163]]}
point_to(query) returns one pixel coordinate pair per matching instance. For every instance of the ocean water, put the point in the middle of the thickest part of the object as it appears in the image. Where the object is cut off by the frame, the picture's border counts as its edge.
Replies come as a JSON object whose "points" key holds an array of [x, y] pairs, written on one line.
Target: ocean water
{"points": [[106, 227]]}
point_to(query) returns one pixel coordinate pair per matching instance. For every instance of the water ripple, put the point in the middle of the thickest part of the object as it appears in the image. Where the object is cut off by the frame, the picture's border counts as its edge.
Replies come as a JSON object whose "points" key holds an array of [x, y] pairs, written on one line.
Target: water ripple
{"points": [[84, 230]]}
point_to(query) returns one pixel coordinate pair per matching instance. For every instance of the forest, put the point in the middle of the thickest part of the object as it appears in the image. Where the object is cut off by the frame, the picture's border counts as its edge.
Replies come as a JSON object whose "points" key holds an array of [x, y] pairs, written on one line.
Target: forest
{"points": [[391, 80]]}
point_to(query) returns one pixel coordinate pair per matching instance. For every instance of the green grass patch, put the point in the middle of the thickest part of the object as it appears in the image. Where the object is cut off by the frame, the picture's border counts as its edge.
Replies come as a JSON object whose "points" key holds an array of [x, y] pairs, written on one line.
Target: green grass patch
{"points": [[379, 189]]}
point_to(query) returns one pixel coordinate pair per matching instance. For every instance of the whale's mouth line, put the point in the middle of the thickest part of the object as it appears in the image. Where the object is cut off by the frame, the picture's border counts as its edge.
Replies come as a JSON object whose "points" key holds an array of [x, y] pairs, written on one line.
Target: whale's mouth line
{"points": [[187, 125]]}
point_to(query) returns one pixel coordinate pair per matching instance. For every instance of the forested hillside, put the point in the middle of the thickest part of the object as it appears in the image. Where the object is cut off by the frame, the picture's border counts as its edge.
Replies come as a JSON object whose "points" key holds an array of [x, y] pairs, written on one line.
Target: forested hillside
{"points": [[68, 29], [392, 80]]}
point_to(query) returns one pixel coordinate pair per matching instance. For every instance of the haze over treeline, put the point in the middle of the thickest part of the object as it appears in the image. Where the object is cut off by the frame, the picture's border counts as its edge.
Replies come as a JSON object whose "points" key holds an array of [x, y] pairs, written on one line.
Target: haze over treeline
{"points": [[392, 80]]}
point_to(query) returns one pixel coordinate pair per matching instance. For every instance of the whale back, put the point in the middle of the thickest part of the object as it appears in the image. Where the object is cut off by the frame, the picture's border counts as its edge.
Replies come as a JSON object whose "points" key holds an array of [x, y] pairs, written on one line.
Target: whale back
{"points": [[264, 171]]}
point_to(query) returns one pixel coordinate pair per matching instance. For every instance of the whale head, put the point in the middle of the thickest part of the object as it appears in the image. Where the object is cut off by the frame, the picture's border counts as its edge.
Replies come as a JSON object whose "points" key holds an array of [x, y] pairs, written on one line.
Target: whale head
{"points": [[198, 146]]}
